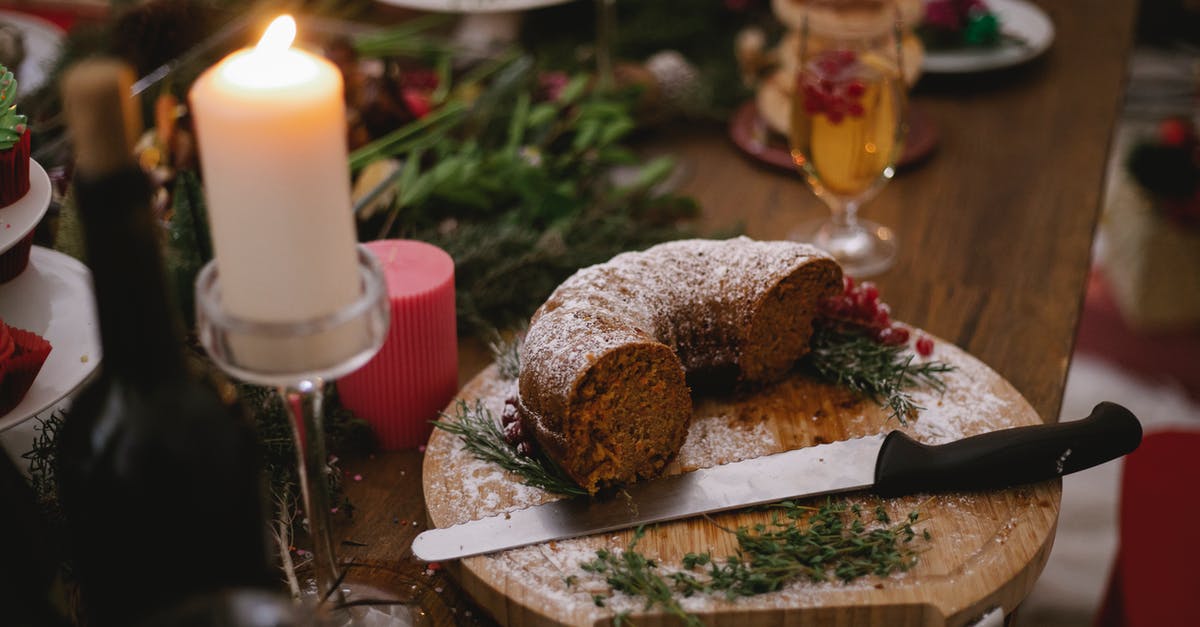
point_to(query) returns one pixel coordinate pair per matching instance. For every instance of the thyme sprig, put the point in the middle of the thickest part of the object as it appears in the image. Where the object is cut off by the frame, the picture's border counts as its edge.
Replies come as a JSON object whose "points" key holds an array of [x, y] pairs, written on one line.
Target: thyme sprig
{"points": [[881, 372], [480, 434], [632, 573], [832, 541]]}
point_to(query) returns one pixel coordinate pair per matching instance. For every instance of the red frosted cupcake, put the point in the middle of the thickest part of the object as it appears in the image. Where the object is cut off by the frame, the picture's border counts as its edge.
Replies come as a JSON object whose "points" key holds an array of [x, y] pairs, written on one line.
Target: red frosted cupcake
{"points": [[21, 357], [14, 143]]}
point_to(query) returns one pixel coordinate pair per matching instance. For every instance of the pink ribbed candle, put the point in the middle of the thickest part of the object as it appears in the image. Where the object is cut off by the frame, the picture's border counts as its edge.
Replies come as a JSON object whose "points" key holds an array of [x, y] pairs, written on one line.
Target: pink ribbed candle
{"points": [[415, 374]]}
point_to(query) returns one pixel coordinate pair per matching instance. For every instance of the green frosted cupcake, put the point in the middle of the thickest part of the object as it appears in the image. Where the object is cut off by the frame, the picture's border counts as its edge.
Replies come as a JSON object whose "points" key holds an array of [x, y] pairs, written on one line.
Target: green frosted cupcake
{"points": [[14, 143]]}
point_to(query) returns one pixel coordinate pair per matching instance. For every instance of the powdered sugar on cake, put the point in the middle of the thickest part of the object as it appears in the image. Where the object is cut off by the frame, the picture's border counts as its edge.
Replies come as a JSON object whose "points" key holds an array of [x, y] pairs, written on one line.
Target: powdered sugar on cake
{"points": [[638, 296]]}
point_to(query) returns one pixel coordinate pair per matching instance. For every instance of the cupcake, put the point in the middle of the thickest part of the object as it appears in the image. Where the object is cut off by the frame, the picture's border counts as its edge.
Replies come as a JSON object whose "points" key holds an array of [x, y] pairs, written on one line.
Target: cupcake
{"points": [[21, 357], [14, 143]]}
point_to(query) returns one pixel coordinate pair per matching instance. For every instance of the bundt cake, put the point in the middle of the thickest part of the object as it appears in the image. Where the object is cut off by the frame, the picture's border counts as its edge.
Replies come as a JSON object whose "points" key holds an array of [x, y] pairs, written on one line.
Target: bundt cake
{"points": [[604, 366]]}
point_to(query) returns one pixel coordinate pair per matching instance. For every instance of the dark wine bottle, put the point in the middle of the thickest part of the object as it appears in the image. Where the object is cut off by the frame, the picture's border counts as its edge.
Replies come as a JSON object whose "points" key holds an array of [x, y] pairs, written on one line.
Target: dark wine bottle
{"points": [[159, 477]]}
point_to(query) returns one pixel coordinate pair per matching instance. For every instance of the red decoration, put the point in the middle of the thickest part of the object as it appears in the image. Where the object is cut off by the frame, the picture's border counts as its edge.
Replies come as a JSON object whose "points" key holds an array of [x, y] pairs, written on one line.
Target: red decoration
{"points": [[1174, 132]]}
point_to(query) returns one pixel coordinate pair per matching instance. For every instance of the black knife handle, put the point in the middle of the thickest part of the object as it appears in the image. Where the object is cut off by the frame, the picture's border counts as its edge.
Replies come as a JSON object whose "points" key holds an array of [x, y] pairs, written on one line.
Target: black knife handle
{"points": [[1007, 457]]}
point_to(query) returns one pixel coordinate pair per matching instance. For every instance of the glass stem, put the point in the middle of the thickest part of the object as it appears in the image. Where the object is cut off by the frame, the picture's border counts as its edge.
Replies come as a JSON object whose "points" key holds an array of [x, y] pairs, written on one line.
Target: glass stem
{"points": [[606, 26], [304, 402], [844, 215]]}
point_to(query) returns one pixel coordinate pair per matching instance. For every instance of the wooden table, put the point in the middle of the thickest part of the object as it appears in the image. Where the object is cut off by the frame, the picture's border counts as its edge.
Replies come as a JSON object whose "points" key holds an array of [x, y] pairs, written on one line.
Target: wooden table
{"points": [[995, 234]]}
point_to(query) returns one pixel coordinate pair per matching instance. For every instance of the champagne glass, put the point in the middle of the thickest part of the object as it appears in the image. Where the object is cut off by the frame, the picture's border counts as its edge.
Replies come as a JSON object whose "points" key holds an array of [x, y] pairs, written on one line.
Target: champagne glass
{"points": [[847, 124]]}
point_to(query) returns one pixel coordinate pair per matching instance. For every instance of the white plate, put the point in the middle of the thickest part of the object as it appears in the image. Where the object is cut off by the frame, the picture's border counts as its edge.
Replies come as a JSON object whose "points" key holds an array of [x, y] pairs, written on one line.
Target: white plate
{"points": [[20, 218], [472, 6], [42, 42], [53, 298], [1019, 20]]}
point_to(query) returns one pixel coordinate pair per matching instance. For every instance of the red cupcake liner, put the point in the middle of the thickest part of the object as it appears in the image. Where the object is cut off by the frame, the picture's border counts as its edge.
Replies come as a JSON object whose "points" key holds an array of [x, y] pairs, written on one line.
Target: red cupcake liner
{"points": [[14, 260], [18, 372], [14, 171]]}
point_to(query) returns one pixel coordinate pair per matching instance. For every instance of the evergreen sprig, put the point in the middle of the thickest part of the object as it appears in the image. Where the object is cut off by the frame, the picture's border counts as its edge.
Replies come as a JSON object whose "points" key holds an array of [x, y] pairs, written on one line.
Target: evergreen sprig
{"points": [[880, 372], [632, 573], [831, 541], [506, 351], [516, 185], [480, 434]]}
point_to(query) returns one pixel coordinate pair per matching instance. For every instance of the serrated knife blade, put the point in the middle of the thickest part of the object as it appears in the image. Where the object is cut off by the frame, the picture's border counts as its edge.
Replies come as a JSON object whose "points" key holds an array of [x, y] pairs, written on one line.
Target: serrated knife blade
{"points": [[890, 466]]}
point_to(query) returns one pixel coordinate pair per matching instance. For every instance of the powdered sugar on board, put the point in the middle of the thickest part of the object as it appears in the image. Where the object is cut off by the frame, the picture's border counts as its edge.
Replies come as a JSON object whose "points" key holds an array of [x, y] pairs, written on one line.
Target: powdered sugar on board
{"points": [[982, 543]]}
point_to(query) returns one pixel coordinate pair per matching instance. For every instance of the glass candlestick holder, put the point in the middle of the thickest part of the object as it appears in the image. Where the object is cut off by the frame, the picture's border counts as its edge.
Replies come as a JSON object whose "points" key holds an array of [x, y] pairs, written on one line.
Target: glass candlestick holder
{"points": [[297, 358]]}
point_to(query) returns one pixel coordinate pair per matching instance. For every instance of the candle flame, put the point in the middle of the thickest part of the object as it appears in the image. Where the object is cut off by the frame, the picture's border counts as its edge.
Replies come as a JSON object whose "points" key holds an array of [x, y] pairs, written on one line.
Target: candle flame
{"points": [[273, 63], [279, 35]]}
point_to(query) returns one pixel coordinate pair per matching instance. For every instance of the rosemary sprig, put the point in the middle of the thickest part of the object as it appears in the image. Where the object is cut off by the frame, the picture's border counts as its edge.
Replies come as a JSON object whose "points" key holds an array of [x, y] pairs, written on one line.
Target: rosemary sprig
{"points": [[481, 436], [880, 372], [832, 541]]}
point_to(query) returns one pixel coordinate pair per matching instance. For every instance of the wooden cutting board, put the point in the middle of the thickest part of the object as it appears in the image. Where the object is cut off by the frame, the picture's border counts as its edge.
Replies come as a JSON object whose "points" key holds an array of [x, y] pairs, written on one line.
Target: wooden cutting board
{"points": [[986, 549]]}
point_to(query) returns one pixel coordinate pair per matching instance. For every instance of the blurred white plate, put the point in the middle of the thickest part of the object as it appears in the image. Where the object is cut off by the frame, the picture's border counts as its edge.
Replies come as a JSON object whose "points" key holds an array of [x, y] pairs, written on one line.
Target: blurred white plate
{"points": [[472, 6], [19, 218], [1019, 20], [53, 298], [42, 41]]}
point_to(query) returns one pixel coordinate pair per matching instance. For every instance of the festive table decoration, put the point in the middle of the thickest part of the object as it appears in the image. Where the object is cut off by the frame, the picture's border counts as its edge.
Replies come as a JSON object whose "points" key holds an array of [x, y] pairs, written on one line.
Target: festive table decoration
{"points": [[959, 24], [415, 374], [1152, 227], [510, 174]]}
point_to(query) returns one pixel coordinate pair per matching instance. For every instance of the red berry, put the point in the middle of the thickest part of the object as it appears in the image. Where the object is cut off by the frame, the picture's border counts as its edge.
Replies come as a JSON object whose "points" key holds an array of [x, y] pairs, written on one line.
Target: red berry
{"points": [[864, 303], [883, 315], [514, 433], [892, 336], [924, 346], [508, 415], [855, 110], [1174, 132], [419, 79], [417, 101], [525, 448], [847, 283], [856, 89], [870, 290]]}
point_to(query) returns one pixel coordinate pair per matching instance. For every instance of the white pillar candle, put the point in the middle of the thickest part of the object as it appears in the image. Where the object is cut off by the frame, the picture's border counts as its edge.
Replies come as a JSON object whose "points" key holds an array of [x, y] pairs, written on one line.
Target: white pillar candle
{"points": [[271, 128]]}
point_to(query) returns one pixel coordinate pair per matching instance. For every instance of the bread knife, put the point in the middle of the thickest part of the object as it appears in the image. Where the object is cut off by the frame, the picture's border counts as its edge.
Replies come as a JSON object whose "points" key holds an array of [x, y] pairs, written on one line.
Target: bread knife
{"points": [[891, 465]]}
